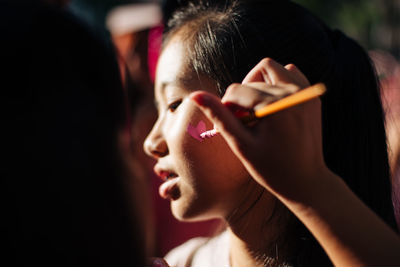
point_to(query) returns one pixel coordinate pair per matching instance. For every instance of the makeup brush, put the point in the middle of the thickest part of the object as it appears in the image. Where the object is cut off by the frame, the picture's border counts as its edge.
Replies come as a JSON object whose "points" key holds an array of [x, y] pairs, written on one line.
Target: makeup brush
{"points": [[283, 103]]}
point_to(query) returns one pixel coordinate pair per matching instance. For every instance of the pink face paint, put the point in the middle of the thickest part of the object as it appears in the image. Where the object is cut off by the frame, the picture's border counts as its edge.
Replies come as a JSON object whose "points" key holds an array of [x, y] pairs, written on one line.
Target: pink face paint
{"points": [[196, 131]]}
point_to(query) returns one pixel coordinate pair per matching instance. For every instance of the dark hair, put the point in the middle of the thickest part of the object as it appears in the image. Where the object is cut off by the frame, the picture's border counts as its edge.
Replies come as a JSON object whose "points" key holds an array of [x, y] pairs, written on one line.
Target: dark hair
{"points": [[225, 40]]}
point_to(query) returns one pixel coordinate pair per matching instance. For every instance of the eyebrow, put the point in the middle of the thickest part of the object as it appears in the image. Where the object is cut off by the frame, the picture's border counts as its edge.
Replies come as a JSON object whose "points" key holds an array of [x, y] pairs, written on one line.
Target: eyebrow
{"points": [[178, 82], [169, 83]]}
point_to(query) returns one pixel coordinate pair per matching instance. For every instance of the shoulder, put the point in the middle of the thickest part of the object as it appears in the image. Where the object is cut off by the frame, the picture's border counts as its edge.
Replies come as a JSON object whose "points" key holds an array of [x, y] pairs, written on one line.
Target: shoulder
{"points": [[201, 251]]}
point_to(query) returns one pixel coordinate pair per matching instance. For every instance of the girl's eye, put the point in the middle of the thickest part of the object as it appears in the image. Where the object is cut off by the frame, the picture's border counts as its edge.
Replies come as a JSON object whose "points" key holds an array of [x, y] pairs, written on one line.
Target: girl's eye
{"points": [[174, 105]]}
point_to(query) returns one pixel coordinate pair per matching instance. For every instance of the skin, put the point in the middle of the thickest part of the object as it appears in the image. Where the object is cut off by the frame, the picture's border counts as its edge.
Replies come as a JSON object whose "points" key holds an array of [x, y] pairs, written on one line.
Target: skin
{"points": [[262, 163], [321, 200], [205, 189], [213, 183]]}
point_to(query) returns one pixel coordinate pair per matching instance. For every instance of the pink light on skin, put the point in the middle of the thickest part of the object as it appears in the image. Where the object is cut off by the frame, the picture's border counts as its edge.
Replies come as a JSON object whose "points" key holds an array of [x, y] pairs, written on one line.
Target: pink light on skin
{"points": [[199, 132], [196, 131], [153, 51]]}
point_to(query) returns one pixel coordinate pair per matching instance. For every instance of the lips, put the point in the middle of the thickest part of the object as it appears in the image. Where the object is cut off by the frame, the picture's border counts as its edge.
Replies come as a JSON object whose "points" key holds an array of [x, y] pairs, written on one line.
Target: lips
{"points": [[169, 189], [165, 175]]}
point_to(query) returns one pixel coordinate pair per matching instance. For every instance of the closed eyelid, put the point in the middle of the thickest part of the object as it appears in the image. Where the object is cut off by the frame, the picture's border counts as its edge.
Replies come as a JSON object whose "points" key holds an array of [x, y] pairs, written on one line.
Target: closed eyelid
{"points": [[171, 91], [167, 103]]}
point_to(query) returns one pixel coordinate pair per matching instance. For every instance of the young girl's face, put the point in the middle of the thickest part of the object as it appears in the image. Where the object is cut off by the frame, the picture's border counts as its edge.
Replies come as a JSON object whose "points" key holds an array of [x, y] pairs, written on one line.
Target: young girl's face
{"points": [[204, 179]]}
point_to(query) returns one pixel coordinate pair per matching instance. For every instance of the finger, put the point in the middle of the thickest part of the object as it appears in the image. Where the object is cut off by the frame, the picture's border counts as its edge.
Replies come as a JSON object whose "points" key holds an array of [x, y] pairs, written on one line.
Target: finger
{"points": [[257, 74], [269, 71], [276, 91], [234, 133], [254, 95], [300, 78], [158, 262], [248, 96]]}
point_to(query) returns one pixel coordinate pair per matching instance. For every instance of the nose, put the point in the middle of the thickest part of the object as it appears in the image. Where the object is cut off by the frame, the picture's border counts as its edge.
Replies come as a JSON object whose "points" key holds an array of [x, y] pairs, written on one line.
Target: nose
{"points": [[154, 145]]}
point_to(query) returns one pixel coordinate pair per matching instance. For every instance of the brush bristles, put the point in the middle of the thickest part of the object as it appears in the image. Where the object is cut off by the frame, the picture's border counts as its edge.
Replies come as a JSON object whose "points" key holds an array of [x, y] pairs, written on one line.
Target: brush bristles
{"points": [[209, 134]]}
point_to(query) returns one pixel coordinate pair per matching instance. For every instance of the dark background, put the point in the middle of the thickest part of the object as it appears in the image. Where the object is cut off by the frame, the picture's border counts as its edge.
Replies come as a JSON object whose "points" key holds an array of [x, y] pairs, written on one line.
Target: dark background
{"points": [[374, 23]]}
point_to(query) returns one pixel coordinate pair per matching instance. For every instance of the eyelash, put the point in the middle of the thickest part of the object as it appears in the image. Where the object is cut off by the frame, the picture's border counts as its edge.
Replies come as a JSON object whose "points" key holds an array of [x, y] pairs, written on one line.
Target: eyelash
{"points": [[174, 105]]}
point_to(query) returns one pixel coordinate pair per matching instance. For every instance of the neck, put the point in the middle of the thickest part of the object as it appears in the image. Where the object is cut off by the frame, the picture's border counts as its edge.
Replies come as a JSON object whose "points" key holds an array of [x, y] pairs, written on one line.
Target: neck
{"points": [[257, 231]]}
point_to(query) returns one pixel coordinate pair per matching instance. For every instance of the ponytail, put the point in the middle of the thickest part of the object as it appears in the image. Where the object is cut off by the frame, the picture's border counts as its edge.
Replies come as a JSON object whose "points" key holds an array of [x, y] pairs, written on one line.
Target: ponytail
{"points": [[354, 137]]}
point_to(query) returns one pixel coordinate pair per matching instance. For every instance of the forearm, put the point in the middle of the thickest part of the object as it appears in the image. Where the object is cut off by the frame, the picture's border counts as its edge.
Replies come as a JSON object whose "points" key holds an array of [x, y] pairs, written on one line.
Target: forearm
{"points": [[350, 233]]}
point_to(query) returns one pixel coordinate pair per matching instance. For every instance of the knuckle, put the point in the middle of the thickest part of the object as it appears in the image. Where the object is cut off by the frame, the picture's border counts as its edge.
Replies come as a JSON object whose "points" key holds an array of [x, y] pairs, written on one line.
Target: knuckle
{"points": [[233, 88], [291, 66], [292, 88], [232, 92], [267, 61]]}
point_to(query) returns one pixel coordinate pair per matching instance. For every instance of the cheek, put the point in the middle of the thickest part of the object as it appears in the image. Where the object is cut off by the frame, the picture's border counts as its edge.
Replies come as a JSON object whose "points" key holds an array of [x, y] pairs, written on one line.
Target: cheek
{"points": [[209, 165], [182, 145]]}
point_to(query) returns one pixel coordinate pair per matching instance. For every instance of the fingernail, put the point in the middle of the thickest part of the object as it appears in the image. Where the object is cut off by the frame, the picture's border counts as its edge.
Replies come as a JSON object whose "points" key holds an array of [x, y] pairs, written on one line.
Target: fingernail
{"points": [[159, 263]]}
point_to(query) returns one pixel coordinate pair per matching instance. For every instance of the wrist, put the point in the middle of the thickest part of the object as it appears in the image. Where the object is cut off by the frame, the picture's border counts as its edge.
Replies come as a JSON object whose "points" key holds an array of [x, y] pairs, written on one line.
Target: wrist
{"points": [[319, 188]]}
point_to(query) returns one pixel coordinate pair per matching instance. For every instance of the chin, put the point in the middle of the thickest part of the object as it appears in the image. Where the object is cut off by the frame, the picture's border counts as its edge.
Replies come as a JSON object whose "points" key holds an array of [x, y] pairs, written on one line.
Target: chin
{"points": [[185, 211]]}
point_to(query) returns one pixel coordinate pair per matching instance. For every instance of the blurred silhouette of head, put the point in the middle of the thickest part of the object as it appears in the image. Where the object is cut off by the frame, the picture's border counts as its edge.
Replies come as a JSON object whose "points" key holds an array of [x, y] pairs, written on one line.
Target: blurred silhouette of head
{"points": [[66, 199]]}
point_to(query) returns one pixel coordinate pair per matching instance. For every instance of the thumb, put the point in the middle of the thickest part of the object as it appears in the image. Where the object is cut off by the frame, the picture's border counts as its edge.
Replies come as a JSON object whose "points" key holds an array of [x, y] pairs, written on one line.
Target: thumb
{"points": [[232, 130]]}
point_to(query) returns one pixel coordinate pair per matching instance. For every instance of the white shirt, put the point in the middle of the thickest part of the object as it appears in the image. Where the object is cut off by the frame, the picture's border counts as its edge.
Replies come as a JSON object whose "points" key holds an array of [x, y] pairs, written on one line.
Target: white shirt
{"points": [[201, 252]]}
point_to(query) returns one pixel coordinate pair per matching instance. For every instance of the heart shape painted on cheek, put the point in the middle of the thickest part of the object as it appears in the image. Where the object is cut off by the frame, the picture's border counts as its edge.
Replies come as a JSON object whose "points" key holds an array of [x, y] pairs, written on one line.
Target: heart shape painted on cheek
{"points": [[196, 131]]}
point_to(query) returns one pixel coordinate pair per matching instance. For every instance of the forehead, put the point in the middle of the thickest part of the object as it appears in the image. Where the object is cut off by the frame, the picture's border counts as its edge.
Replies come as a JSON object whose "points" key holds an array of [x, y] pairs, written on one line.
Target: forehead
{"points": [[174, 66], [173, 62]]}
